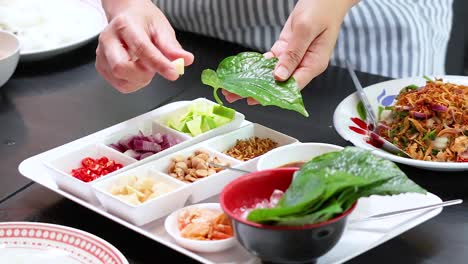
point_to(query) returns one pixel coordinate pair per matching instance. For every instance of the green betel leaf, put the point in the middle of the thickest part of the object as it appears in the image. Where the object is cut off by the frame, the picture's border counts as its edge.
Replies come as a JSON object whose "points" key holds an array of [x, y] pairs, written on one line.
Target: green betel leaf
{"points": [[331, 209], [330, 183], [250, 74]]}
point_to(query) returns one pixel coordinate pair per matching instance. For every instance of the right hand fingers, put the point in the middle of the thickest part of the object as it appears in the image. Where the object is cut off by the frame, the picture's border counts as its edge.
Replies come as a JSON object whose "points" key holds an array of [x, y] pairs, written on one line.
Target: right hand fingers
{"points": [[297, 35], [120, 64], [230, 97], [123, 85], [165, 39], [139, 45]]}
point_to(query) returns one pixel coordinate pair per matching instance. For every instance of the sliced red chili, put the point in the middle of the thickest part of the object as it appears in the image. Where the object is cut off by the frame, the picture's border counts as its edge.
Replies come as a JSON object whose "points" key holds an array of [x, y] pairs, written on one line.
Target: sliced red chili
{"points": [[92, 169], [87, 162], [103, 160]]}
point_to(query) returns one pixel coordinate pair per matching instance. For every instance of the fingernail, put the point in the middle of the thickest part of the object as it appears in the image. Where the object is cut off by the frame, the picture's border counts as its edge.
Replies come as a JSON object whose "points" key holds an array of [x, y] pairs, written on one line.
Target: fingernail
{"points": [[282, 72], [251, 101], [268, 55]]}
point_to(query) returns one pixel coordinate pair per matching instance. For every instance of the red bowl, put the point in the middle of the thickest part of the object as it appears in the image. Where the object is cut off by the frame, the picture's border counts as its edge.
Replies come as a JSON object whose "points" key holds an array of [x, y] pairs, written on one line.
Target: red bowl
{"points": [[278, 244]]}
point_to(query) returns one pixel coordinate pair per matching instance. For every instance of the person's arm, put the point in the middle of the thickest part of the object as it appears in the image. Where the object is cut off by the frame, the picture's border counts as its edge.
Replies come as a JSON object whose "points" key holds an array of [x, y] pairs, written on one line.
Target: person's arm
{"points": [[307, 40], [138, 43], [113, 7]]}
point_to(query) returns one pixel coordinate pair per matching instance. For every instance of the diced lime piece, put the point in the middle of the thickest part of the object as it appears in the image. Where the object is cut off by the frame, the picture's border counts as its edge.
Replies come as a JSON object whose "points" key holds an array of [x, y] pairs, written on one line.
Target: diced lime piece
{"points": [[185, 129], [201, 108], [224, 111], [220, 120], [194, 126], [174, 124], [201, 117], [208, 123]]}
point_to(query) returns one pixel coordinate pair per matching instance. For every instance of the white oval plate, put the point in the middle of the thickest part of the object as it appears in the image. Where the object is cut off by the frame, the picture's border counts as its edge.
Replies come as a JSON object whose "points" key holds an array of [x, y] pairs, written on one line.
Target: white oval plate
{"points": [[94, 17], [383, 94], [31, 242]]}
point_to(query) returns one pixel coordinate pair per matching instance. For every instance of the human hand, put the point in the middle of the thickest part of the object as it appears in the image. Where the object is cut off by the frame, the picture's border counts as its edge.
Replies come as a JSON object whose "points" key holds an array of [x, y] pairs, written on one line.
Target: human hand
{"points": [[138, 43], [306, 42]]}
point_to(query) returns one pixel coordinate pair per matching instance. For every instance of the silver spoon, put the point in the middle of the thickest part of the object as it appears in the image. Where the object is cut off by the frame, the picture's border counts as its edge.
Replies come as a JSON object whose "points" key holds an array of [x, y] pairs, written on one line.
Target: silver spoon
{"points": [[386, 145], [405, 211], [227, 167]]}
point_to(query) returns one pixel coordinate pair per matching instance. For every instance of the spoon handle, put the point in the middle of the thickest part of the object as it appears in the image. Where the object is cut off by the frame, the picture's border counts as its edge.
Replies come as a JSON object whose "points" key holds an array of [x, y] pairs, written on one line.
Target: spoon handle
{"points": [[227, 167], [360, 91], [405, 211]]}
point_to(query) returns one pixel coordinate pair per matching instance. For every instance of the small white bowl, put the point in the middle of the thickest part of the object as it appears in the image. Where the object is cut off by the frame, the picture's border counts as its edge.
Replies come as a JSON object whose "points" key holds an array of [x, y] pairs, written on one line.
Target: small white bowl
{"points": [[197, 245], [235, 123], [60, 168], [149, 210], [299, 152], [9, 55]]}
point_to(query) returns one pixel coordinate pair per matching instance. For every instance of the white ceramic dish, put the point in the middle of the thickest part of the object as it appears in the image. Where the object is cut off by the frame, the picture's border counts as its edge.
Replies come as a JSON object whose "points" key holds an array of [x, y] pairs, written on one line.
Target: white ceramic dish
{"points": [[86, 28], [355, 241], [208, 186], [300, 152], [383, 94], [9, 55], [226, 141], [149, 210], [31, 242], [149, 127], [171, 226], [61, 168], [177, 111]]}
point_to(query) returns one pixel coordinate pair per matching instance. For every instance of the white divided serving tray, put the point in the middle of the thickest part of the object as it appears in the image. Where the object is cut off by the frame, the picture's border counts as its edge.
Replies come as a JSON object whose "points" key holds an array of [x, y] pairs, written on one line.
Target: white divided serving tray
{"points": [[357, 238]]}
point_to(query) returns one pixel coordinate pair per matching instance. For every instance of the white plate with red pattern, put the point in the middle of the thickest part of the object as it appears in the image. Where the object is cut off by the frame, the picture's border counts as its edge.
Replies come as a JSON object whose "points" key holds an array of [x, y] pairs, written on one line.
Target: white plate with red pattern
{"points": [[31, 242], [350, 125]]}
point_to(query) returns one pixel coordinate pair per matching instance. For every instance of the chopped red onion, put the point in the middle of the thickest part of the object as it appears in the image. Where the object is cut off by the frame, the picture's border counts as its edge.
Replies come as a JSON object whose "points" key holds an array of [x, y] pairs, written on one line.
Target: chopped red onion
{"points": [[140, 146], [145, 155], [419, 115], [132, 153], [156, 138], [126, 142], [439, 108], [146, 146], [117, 147]]}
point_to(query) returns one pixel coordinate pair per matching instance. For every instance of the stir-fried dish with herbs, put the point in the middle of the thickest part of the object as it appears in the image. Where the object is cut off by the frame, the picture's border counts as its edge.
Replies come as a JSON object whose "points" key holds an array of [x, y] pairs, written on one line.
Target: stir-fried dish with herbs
{"points": [[430, 122]]}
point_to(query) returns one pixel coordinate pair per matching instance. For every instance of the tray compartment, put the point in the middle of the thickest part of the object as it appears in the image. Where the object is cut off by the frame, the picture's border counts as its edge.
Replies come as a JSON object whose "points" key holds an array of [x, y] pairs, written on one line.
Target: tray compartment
{"points": [[149, 127], [149, 210], [61, 167], [183, 108], [224, 142], [204, 187]]}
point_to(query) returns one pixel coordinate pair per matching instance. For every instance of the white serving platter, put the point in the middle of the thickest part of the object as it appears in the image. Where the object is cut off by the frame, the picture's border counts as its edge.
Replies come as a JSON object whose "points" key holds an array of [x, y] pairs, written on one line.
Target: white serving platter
{"points": [[86, 29], [357, 238]]}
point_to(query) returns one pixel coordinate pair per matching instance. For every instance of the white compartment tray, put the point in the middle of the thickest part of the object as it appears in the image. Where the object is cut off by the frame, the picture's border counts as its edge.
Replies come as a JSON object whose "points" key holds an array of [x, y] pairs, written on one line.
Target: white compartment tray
{"points": [[356, 239]]}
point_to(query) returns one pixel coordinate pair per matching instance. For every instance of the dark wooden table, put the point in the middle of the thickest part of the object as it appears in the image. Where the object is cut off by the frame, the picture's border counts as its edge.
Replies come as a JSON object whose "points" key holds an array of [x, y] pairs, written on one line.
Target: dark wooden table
{"points": [[52, 102]]}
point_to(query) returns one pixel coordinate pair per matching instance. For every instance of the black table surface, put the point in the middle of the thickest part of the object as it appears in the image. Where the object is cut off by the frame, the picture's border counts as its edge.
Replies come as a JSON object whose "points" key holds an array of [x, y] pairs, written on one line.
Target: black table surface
{"points": [[49, 103]]}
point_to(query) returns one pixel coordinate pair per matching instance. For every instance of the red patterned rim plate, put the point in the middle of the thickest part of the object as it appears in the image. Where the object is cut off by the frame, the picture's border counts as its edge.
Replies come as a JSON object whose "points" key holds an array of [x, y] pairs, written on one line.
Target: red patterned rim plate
{"points": [[32, 242]]}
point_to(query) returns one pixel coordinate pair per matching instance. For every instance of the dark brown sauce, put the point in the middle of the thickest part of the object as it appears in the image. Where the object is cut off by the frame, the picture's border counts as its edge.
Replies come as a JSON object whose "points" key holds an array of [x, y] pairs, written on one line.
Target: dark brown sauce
{"points": [[296, 164]]}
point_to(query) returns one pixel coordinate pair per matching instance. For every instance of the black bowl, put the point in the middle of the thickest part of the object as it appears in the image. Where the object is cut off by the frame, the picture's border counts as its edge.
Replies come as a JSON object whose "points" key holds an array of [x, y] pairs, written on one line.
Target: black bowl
{"points": [[277, 244]]}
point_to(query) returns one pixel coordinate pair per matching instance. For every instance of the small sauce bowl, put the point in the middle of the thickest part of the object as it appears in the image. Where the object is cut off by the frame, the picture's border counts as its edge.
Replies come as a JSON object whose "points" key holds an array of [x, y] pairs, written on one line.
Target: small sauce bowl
{"points": [[202, 246]]}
